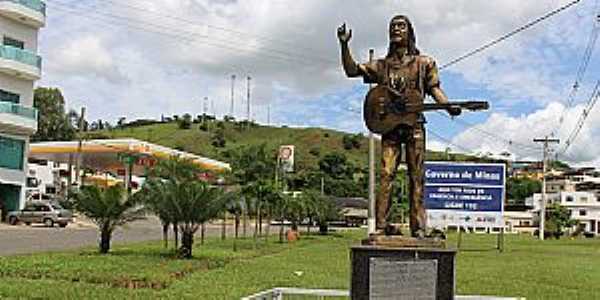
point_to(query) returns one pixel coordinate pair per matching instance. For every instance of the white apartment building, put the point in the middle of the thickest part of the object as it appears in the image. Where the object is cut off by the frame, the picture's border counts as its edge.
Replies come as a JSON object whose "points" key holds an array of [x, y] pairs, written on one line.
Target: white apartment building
{"points": [[583, 205], [20, 67]]}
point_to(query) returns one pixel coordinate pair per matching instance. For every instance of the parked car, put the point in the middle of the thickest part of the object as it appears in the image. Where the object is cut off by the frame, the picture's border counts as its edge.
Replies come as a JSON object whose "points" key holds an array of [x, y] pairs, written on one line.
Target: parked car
{"points": [[41, 212]]}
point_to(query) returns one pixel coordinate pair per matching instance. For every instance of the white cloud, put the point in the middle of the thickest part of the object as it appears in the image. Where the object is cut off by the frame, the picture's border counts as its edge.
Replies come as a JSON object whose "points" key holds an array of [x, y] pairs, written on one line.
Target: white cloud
{"points": [[516, 134], [86, 57], [143, 58]]}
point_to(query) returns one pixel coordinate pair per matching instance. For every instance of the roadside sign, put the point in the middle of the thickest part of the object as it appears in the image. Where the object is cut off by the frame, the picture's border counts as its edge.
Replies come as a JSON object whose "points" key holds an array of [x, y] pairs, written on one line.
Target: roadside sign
{"points": [[464, 194], [286, 157]]}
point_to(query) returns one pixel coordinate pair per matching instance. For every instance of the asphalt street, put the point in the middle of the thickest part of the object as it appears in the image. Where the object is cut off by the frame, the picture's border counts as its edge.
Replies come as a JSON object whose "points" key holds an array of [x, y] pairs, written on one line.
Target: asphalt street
{"points": [[24, 239]]}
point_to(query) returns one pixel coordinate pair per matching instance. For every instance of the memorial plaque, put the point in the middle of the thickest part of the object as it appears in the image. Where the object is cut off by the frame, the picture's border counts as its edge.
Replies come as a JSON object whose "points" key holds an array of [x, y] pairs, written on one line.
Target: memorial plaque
{"points": [[395, 279]]}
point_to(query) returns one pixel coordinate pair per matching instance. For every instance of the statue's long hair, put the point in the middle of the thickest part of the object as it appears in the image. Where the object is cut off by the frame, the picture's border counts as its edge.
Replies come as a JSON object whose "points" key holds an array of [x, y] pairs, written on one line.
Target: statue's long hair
{"points": [[412, 38]]}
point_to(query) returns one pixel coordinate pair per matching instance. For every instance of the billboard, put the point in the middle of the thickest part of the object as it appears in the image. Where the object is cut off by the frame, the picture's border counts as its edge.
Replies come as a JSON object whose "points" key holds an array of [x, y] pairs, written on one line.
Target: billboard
{"points": [[464, 194], [286, 158]]}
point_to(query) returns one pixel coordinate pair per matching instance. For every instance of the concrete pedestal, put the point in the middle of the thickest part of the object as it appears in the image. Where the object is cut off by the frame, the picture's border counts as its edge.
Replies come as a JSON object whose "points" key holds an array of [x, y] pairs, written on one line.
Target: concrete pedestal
{"points": [[363, 258]]}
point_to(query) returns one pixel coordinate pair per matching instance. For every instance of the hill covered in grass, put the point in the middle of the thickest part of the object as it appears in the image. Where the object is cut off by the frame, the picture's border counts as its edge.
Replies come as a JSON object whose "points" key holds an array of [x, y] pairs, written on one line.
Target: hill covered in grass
{"points": [[216, 137]]}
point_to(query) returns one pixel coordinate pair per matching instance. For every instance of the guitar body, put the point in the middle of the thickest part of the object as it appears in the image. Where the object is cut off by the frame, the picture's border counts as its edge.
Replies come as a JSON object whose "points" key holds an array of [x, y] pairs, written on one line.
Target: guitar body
{"points": [[381, 111], [385, 110]]}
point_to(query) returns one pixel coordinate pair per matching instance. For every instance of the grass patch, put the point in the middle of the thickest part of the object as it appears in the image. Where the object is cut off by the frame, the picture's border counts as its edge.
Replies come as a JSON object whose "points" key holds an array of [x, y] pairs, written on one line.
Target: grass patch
{"points": [[136, 266], [563, 269]]}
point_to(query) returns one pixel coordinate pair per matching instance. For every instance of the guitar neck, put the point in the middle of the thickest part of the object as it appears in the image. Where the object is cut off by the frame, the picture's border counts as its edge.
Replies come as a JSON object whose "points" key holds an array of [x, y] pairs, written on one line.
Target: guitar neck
{"points": [[470, 105]]}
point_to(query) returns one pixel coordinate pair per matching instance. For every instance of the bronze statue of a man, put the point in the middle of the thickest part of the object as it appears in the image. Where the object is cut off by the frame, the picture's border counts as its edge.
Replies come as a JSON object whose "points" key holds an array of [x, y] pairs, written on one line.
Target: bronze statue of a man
{"points": [[410, 76]]}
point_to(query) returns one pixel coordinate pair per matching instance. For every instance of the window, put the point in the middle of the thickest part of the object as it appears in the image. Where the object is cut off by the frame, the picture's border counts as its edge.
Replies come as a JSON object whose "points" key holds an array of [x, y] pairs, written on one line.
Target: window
{"points": [[11, 153], [569, 199], [582, 212], [583, 199], [8, 41], [9, 97]]}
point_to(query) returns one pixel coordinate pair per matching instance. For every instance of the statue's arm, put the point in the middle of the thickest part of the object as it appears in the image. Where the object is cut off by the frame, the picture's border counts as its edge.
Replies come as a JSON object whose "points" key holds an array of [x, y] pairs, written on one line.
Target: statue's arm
{"points": [[438, 94], [351, 68], [433, 86]]}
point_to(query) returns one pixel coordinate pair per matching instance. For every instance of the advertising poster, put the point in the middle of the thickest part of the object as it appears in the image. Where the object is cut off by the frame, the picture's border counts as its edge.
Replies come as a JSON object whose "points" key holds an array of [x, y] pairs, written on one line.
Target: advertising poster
{"points": [[286, 158]]}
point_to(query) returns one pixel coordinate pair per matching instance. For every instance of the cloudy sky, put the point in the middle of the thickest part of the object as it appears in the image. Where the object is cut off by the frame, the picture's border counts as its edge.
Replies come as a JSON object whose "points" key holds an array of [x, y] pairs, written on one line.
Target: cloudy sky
{"points": [[144, 58]]}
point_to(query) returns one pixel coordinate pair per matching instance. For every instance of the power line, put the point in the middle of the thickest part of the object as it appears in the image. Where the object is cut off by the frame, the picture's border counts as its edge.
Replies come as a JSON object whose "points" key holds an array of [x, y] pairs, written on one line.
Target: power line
{"points": [[448, 141], [219, 28], [508, 35], [184, 36], [584, 114], [587, 55]]}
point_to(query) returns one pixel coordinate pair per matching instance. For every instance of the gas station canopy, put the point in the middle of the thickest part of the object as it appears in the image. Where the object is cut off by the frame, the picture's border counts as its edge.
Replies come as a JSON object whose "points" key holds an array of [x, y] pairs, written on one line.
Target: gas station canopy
{"points": [[111, 155]]}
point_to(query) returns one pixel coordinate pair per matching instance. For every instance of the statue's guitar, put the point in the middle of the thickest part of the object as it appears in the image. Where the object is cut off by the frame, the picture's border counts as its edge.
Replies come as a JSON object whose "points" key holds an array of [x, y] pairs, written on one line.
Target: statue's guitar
{"points": [[384, 109]]}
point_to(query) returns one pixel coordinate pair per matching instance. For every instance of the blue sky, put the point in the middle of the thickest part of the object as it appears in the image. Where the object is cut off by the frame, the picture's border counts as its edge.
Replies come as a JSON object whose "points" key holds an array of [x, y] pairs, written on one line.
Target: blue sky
{"points": [[144, 58]]}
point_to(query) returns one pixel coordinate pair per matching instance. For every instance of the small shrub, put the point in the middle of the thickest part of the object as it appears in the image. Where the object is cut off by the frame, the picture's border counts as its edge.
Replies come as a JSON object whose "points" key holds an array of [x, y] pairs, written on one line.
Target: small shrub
{"points": [[218, 139], [185, 122], [315, 151]]}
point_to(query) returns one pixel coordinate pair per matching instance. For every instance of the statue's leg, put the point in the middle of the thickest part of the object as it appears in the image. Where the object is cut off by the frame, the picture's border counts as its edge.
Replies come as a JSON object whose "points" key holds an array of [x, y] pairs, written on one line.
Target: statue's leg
{"points": [[415, 155], [390, 158]]}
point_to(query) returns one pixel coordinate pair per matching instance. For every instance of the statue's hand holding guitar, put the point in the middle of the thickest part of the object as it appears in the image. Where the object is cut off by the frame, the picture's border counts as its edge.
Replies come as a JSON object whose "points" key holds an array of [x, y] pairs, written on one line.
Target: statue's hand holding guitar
{"points": [[454, 111]]}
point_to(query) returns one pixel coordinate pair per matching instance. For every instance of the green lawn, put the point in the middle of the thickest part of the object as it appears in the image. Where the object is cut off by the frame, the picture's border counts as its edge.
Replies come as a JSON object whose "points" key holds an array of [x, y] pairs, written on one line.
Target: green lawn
{"points": [[565, 269]]}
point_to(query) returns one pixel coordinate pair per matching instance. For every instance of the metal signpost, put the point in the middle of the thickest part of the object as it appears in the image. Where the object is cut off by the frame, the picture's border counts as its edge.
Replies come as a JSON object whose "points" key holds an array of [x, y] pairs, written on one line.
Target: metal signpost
{"points": [[465, 195]]}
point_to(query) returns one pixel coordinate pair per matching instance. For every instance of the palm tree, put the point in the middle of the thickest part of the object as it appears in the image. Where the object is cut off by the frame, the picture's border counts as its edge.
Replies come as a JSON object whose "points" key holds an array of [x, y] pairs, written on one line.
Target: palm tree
{"points": [[155, 199], [175, 169], [108, 208], [194, 203], [189, 204], [234, 206]]}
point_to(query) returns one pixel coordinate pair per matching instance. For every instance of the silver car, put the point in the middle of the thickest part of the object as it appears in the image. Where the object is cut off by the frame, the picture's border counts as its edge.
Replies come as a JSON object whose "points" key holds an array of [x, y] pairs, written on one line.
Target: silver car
{"points": [[41, 212]]}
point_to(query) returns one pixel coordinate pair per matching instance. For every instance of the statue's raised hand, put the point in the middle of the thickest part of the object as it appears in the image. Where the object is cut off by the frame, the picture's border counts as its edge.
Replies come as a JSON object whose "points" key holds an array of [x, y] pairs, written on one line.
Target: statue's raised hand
{"points": [[344, 35]]}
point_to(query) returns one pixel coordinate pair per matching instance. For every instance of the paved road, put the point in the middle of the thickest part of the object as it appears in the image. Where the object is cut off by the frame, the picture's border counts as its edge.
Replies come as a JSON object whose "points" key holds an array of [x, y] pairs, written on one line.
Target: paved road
{"points": [[30, 239]]}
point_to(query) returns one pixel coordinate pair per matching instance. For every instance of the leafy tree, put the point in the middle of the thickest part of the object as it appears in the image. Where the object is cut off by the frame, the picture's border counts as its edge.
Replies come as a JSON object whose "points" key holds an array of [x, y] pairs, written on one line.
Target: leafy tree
{"points": [[336, 165], [520, 188], [218, 139], [185, 122], [322, 209], [108, 208], [121, 122], [251, 163], [347, 142], [315, 151], [557, 219], [351, 141], [53, 123]]}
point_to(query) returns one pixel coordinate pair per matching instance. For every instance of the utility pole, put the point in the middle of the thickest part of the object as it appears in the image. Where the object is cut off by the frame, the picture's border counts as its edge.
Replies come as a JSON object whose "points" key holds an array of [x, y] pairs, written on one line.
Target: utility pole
{"points": [[204, 107], [79, 147], [546, 141], [269, 114], [371, 218], [248, 94], [232, 95]]}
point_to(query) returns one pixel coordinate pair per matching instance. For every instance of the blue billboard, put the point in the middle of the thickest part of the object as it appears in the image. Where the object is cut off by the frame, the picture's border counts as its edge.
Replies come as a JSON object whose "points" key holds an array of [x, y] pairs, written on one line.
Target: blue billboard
{"points": [[464, 194]]}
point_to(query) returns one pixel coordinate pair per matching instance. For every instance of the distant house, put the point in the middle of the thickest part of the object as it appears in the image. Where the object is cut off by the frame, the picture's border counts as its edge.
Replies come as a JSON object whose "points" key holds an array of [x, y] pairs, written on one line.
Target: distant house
{"points": [[354, 210]]}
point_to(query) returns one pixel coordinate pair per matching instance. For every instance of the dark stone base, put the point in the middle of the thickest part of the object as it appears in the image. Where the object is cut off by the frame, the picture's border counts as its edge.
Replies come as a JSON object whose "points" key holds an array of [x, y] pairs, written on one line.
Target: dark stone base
{"points": [[361, 256]]}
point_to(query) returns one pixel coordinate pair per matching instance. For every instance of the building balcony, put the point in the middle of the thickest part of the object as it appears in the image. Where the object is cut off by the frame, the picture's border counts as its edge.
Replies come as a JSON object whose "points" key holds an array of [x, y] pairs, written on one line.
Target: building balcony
{"points": [[17, 119], [20, 63], [29, 12]]}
